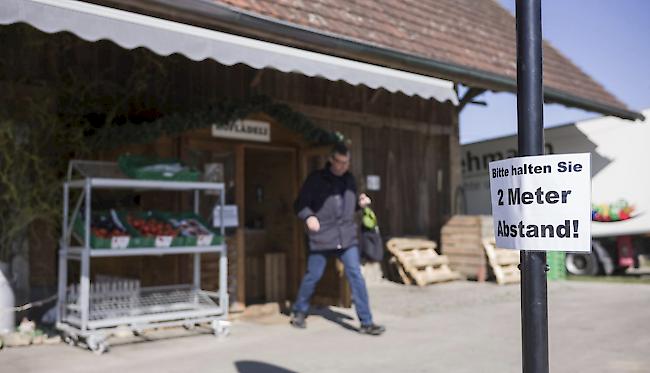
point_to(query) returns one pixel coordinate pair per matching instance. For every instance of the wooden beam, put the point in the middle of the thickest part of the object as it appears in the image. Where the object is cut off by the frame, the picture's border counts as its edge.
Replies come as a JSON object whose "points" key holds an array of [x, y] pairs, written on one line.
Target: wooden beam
{"points": [[471, 94], [371, 120], [376, 95], [241, 245], [257, 78], [455, 171]]}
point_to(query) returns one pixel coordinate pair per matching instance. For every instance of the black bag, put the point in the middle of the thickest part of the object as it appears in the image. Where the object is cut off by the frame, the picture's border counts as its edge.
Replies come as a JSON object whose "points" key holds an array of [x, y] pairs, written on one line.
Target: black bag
{"points": [[372, 246]]}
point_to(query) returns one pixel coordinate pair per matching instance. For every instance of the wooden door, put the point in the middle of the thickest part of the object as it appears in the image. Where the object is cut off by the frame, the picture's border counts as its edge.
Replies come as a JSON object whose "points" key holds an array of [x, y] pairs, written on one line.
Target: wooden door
{"points": [[270, 187], [333, 289]]}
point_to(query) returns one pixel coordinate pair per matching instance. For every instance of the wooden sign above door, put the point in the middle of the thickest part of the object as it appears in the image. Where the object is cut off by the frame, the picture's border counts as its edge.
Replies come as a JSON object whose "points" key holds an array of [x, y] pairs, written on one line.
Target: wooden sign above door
{"points": [[247, 129]]}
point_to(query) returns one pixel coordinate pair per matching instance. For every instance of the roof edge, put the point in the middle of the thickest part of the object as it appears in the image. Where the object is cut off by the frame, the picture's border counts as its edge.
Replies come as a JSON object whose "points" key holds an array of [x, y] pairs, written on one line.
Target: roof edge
{"points": [[207, 12], [553, 95]]}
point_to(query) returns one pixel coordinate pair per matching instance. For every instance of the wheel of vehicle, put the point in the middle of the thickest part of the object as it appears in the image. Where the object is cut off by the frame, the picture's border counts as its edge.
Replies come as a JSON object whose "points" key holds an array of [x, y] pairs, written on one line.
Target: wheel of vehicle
{"points": [[582, 264]]}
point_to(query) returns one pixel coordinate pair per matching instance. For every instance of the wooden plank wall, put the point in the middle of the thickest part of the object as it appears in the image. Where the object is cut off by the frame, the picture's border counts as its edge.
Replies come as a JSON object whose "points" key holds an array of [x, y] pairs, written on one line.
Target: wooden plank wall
{"points": [[405, 140], [410, 201], [179, 84]]}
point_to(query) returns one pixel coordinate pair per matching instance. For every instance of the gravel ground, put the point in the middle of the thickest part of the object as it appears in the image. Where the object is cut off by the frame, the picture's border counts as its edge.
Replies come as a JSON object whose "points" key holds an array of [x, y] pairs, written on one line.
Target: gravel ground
{"points": [[454, 327]]}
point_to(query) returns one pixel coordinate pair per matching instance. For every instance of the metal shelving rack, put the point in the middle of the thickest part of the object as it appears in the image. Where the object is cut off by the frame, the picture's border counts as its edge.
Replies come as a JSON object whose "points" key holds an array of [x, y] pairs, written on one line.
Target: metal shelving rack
{"points": [[93, 316]]}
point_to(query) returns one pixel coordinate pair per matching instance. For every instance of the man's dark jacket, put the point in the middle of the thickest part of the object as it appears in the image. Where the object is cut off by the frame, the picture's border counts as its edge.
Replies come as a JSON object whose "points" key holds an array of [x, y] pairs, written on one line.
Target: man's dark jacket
{"points": [[320, 196]]}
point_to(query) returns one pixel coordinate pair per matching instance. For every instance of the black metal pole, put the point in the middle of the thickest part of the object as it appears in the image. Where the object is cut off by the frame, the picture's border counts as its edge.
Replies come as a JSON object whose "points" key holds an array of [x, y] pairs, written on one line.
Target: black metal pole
{"points": [[534, 309]]}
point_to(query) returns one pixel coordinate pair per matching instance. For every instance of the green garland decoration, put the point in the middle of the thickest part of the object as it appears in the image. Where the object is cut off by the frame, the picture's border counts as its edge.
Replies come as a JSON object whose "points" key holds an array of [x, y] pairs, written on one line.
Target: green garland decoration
{"points": [[221, 114]]}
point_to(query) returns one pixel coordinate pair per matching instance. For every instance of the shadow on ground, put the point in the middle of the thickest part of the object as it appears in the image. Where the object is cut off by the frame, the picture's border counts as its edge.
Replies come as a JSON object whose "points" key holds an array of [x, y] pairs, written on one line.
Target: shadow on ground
{"points": [[336, 317], [259, 367]]}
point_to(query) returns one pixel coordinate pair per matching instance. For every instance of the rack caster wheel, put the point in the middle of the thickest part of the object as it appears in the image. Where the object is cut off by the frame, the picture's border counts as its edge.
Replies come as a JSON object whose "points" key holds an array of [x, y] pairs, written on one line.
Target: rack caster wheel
{"points": [[97, 345], [221, 328], [68, 339]]}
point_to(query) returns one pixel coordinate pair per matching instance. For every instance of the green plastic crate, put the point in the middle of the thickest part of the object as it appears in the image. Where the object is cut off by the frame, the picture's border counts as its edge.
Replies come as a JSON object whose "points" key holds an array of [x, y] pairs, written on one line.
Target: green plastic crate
{"points": [[97, 242], [192, 240], [134, 167], [137, 240], [143, 241], [555, 260]]}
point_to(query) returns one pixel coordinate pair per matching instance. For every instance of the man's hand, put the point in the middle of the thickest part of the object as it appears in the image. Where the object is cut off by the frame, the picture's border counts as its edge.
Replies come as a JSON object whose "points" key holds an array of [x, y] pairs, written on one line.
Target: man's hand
{"points": [[364, 200], [313, 224]]}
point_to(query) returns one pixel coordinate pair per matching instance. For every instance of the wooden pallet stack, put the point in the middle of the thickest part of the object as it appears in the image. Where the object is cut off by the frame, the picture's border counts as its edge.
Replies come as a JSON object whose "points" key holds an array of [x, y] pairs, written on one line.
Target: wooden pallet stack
{"points": [[462, 242], [504, 262], [417, 261]]}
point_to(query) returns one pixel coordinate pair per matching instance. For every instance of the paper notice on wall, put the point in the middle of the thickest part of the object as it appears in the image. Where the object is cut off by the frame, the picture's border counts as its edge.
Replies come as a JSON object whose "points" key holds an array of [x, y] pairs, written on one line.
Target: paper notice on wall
{"points": [[213, 173], [373, 182], [230, 216]]}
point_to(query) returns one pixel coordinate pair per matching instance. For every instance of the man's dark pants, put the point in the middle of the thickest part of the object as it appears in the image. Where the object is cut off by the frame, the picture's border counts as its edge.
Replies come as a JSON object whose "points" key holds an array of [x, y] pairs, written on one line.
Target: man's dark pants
{"points": [[351, 262]]}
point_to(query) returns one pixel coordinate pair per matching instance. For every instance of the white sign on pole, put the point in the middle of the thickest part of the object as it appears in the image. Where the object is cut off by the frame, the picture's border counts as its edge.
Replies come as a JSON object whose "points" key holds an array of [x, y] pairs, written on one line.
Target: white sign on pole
{"points": [[247, 129], [542, 202]]}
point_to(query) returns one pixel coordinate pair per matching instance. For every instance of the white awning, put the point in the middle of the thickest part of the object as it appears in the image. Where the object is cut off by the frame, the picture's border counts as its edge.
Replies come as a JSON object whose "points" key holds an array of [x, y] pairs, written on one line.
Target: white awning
{"points": [[131, 30]]}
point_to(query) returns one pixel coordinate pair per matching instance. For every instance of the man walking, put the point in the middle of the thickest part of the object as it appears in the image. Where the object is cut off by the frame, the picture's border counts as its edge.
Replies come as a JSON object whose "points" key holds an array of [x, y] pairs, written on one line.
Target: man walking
{"points": [[327, 203]]}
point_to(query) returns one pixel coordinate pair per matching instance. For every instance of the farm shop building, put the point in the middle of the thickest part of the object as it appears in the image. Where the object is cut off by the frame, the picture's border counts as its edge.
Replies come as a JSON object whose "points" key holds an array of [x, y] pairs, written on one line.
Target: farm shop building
{"points": [[153, 77]]}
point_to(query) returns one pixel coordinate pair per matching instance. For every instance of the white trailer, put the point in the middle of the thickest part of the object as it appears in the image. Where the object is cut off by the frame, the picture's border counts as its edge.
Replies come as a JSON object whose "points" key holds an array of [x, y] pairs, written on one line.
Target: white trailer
{"points": [[620, 156]]}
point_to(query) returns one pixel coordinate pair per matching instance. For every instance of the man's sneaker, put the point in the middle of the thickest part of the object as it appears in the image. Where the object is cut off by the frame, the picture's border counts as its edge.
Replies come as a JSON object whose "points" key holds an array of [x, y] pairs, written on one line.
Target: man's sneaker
{"points": [[372, 329], [298, 320]]}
